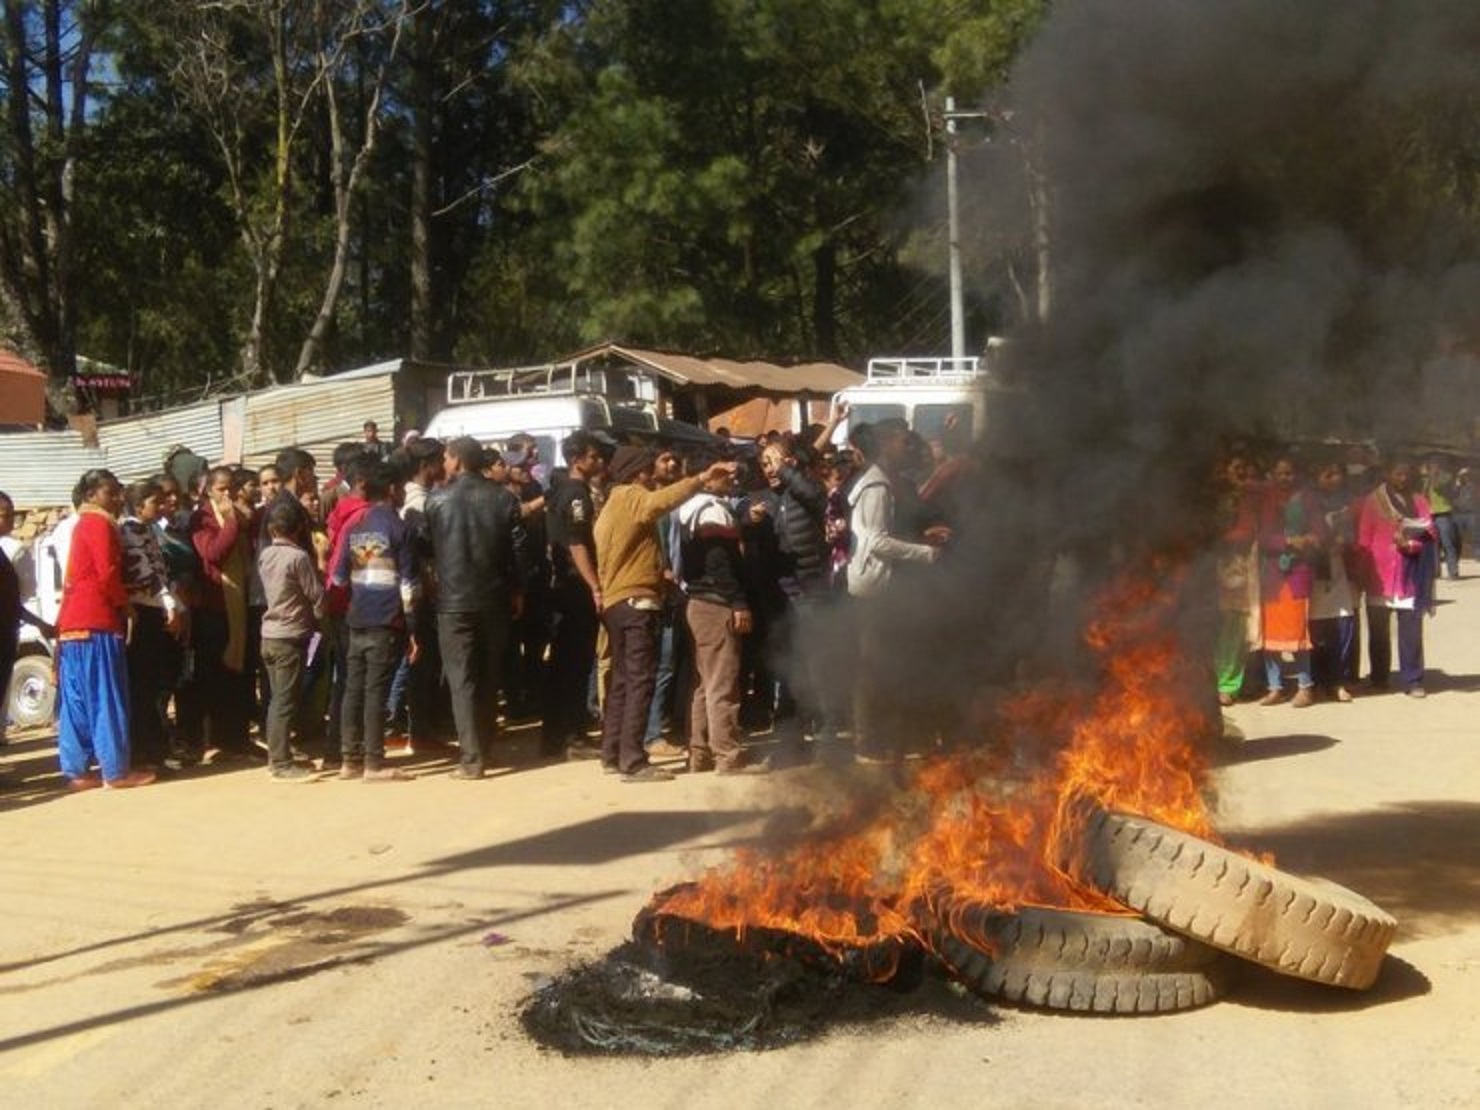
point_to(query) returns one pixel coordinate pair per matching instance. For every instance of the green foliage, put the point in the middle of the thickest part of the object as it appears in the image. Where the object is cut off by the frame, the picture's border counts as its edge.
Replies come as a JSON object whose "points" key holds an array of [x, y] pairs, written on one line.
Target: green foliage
{"points": [[738, 176]]}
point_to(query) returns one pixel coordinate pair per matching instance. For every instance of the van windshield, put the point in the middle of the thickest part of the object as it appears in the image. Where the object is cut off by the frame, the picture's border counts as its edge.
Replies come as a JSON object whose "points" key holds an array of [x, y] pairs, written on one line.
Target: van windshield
{"points": [[872, 414], [948, 424]]}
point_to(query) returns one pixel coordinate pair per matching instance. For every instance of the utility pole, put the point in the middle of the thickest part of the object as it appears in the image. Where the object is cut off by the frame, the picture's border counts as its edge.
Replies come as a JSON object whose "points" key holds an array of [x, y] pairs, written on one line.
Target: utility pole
{"points": [[953, 219]]}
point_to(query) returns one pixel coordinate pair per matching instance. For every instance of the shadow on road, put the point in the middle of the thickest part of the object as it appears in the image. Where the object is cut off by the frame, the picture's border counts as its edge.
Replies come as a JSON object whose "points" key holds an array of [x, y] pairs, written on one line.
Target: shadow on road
{"points": [[600, 840], [1273, 747], [1420, 861], [1437, 681], [1260, 989]]}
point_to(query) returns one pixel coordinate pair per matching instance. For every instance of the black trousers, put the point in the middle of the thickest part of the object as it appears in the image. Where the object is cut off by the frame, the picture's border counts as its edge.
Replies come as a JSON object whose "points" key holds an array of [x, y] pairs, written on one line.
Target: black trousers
{"points": [[472, 652], [153, 659], [633, 634], [221, 693], [371, 658], [572, 655], [425, 706]]}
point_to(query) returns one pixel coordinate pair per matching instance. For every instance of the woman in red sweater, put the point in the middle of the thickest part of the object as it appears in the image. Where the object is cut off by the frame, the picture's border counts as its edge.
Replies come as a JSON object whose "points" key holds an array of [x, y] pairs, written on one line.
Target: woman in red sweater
{"points": [[92, 679]]}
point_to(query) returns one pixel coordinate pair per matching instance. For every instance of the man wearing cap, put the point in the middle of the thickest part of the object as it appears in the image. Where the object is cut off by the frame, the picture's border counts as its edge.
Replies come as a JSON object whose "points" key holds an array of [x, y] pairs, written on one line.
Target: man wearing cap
{"points": [[480, 551], [630, 571]]}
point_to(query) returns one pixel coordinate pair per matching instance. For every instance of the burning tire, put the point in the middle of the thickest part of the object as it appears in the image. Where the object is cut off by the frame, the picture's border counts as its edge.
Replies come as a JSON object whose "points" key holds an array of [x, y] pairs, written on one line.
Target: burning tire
{"points": [[1066, 960], [1307, 928]]}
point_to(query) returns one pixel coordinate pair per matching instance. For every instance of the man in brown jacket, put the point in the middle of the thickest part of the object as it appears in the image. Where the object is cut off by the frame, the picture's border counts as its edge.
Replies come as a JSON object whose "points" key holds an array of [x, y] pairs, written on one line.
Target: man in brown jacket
{"points": [[630, 566]]}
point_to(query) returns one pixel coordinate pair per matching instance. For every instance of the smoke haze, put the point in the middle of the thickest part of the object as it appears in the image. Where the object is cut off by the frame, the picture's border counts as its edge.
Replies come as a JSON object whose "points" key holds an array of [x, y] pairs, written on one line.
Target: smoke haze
{"points": [[1263, 218]]}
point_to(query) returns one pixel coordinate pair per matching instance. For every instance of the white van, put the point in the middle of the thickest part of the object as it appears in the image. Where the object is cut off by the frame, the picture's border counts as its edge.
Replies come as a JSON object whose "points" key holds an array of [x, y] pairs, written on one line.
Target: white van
{"points": [[950, 400], [550, 402]]}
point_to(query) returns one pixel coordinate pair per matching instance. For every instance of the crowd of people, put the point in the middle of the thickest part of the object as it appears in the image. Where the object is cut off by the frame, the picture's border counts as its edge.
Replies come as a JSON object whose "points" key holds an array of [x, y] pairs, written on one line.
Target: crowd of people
{"points": [[643, 605], [1310, 549]]}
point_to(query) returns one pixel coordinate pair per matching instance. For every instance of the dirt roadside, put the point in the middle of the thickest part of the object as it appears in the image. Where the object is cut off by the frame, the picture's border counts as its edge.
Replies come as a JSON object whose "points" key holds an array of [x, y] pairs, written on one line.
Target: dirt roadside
{"points": [[232, 941]]}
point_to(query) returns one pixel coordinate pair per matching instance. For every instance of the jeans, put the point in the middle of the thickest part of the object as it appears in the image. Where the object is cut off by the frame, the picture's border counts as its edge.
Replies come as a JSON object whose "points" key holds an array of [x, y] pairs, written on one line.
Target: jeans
{"points": [[1449, 542], [472, 651], [426, 715], [370, 663], [663, 686], [634, 646], [1274, 670], [284, 662]]}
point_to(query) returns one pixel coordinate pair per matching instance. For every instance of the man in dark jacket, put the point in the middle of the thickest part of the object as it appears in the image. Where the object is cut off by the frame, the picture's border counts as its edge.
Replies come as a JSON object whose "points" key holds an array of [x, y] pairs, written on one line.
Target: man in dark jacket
{"points": [[800, 645], [481, 555]]}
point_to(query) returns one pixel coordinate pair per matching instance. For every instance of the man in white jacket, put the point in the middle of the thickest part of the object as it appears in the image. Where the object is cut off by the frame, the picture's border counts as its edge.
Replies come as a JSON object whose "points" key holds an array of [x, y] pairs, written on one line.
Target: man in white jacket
{"points": [[876, 551]]}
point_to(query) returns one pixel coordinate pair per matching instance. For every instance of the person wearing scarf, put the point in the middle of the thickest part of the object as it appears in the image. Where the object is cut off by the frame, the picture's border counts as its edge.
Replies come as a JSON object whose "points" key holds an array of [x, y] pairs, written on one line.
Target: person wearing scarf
{"points": [[1291, 536], [219, 530], [1397, 540]]}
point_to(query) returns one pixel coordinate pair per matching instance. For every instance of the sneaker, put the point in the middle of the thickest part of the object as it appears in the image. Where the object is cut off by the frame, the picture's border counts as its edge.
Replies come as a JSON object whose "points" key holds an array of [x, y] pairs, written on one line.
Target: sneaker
{"points": [[130, 780], [648, 773], [388, 774], [1304, 698], [1343, 694], [664, 749], [582, 750], [1274, 697], [84, 782], [762, 768], [700, 765], [610, 769], [350, 769], [1416, 692], [291, 773], [466, 774]]}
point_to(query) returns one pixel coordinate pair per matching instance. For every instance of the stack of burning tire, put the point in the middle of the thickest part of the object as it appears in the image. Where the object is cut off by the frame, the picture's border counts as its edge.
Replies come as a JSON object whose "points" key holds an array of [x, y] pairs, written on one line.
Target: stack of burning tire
{"points": [[1191, 906]]}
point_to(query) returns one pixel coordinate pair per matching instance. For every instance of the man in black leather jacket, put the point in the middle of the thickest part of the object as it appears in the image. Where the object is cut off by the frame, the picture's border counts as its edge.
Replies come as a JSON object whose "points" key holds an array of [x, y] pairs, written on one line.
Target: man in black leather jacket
{"points": [[481, 554], [802, 644]]}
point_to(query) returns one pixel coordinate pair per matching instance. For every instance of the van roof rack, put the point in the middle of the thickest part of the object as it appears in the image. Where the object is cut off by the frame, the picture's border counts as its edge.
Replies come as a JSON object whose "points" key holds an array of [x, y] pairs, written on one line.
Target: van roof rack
{"points": [[621, 388], [909, 371]]}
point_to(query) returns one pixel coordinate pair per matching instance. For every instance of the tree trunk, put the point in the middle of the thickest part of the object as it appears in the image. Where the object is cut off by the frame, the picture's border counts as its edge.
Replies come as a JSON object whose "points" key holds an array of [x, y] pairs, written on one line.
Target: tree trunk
{"points": [[423, 126], [824, 300], [346, 186]]}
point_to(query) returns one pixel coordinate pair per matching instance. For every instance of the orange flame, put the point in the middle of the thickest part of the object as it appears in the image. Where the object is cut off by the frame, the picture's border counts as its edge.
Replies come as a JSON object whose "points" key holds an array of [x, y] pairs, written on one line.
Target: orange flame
{"points": [[971, 823]]}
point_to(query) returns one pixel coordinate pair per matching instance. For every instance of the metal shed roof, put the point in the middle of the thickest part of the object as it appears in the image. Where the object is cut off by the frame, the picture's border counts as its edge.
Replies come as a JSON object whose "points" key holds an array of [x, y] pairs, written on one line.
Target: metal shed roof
{"points": [[807, 377]]}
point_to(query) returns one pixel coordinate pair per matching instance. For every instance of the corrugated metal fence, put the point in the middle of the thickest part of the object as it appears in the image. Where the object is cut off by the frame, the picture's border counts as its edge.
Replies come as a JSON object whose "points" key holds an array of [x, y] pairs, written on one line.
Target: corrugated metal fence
{"points": [[39, 469]]}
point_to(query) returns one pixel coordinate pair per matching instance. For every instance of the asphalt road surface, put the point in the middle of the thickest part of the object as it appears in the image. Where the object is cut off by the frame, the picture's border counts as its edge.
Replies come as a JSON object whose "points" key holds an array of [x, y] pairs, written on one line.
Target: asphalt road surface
{"points": [[228, 941]]}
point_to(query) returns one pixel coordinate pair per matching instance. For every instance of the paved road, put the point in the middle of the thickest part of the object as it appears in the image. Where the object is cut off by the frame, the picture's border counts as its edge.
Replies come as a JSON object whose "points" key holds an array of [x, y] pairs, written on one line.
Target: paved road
{"points": [[239, 943]]}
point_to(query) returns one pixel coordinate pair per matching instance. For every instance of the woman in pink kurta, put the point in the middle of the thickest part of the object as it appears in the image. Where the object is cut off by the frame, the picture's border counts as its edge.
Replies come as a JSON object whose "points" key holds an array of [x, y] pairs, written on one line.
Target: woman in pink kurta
{"points": [[1397, 542]]}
